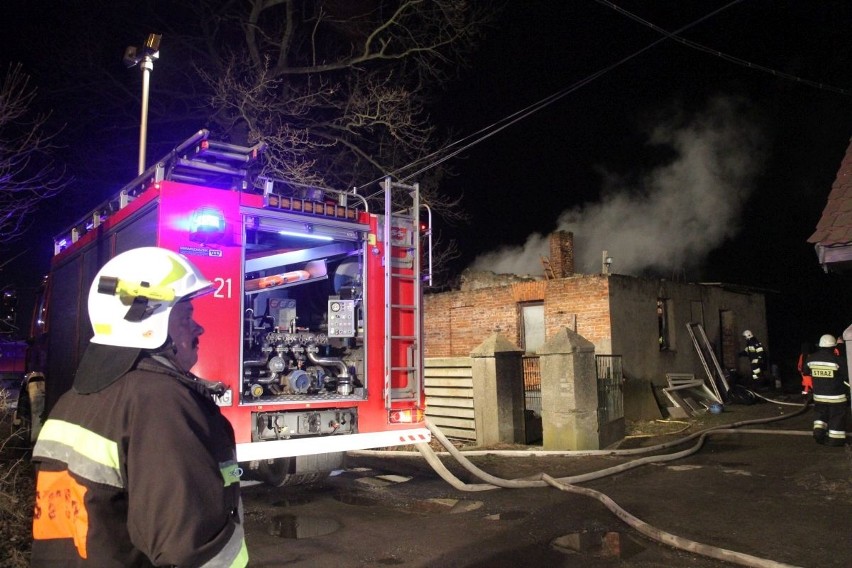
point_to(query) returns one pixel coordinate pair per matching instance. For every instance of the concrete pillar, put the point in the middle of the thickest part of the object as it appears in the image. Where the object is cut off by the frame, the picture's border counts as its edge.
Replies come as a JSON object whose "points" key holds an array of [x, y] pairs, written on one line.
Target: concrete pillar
{"points": [[569, 393], [498, 392]]}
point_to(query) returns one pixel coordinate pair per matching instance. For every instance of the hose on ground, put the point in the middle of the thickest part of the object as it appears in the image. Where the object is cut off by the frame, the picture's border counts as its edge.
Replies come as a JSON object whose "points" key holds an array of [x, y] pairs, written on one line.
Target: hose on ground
{"points": [[591, 453], [567, 483], [537, 481], [666, 537]]}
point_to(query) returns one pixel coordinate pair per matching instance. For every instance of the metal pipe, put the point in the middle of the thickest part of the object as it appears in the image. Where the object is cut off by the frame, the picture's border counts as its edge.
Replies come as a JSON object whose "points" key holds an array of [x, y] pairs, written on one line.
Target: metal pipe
{"points": [[147, 66]]}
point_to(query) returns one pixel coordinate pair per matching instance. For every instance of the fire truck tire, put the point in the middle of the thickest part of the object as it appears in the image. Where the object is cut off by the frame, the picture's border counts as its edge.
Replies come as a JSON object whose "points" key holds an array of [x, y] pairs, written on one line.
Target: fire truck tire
{"points": [[28, 414], [288, 472]]}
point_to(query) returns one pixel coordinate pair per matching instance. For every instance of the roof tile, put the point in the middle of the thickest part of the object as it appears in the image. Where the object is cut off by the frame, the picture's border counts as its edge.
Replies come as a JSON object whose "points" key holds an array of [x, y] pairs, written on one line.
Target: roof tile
{"points": [[835, 225]]}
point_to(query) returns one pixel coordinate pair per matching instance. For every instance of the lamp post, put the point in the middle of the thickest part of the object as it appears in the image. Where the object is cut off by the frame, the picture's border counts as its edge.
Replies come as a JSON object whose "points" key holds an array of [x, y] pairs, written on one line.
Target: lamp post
{"points": [[132, 57]]}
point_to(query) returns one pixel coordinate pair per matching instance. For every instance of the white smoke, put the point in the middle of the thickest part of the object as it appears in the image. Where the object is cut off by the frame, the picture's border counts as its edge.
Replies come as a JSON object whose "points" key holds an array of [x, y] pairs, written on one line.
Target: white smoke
{"points": [[674, 217]]}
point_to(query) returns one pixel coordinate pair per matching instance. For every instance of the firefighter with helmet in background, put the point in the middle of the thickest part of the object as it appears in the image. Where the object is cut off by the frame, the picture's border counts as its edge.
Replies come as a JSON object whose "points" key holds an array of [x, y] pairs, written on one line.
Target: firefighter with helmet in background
{"points": [[136, 466], [756, 356], [831, 392]]}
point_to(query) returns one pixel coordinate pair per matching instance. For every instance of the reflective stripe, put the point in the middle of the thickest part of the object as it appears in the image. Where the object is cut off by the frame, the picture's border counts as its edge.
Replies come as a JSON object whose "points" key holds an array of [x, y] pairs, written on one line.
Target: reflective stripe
{"points": [[837, 434], [87, 454], [830, 398], [819, 373], [823, 369], [820, 425], [233, 555]]}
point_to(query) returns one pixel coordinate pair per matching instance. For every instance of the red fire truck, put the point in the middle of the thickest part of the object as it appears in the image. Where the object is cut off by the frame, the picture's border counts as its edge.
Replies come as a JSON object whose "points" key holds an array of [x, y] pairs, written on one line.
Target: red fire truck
{"points": [[315, 324]]}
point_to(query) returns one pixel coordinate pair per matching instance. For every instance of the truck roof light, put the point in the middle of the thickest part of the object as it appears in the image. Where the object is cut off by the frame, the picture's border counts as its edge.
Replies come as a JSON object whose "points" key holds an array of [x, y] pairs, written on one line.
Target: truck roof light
{"points": [[207, 225]]}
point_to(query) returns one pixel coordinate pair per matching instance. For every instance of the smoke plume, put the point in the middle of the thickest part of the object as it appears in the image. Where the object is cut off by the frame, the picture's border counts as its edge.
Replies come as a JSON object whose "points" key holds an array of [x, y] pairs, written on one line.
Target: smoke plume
{"points": [[673, 216]]}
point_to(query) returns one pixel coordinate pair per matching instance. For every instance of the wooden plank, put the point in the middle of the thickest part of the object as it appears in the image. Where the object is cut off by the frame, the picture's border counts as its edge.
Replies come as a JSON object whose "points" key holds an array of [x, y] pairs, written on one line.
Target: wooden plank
{"points": [[456, 412], [448, 362], [458, 433], [448, 372], [460, 382], [442, 421], [460, 393], [675, 379], [443, 401]]}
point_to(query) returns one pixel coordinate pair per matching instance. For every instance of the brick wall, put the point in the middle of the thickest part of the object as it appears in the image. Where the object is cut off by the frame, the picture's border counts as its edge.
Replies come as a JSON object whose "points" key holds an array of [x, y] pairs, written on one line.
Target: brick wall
{"points": [[457, 322], [562, 254]]}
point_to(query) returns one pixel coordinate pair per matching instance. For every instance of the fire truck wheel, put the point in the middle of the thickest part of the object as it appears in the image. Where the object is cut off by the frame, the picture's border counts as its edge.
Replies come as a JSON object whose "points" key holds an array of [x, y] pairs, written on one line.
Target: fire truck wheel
{"points": [[277, 473], [287, 472], [28, 414]]}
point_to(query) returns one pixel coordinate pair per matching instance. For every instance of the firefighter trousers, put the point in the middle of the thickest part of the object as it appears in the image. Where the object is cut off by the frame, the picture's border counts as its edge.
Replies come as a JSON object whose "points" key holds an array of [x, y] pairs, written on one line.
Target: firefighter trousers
{"points": [[830, 422]]}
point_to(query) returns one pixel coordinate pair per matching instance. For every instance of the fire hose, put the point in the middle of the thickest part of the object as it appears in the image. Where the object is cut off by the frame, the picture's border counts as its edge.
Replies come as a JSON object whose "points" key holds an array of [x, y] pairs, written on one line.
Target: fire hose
{"points": [[567, 484]]}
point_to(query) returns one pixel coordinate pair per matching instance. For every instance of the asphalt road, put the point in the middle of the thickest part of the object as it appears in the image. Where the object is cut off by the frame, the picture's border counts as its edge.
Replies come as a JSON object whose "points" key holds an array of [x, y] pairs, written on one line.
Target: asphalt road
{"points": [[777, 497]]}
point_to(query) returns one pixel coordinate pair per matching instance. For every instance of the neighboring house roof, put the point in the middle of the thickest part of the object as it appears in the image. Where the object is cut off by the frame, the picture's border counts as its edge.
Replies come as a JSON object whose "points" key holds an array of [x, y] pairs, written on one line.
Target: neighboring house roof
{"points": [[833, 235]]}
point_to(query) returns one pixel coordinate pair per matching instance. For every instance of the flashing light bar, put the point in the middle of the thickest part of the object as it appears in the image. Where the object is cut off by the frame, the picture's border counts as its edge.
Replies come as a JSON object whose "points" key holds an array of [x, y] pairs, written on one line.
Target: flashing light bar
{"points": [[297, 205]]}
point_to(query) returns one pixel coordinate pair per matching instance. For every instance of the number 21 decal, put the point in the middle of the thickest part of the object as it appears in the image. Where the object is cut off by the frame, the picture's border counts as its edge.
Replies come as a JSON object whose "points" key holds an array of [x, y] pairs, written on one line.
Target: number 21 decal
{"points": [[223, 288]]}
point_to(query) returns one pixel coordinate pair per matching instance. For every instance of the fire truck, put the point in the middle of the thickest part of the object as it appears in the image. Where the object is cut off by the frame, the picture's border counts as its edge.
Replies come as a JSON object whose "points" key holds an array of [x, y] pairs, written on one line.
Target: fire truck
{"points": [[315, 322]]}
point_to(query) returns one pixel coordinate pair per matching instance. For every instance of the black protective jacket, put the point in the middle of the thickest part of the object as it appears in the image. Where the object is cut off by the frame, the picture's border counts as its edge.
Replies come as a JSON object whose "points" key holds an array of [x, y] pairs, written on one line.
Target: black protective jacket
{"points": [[139, 473], [829, 374]]}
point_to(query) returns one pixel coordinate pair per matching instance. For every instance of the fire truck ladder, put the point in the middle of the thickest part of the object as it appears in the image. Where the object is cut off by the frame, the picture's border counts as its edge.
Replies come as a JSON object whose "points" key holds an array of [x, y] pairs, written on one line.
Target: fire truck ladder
{"points": [[402, 275], [197, 160], [707, 356]]}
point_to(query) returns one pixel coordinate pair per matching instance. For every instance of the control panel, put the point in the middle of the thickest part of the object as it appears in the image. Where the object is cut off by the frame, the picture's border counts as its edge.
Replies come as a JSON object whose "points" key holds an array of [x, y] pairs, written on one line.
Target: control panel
{"points": [[341, 318]]}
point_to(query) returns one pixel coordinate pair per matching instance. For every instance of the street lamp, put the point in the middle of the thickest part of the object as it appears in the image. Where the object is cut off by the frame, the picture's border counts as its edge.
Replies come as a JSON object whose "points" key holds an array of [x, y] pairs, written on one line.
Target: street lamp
{"points": [[143, 57]]}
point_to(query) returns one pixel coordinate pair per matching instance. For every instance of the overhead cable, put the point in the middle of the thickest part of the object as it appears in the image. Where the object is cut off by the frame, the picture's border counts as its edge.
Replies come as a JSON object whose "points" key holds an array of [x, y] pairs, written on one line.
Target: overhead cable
{"points": [[487, 132]]}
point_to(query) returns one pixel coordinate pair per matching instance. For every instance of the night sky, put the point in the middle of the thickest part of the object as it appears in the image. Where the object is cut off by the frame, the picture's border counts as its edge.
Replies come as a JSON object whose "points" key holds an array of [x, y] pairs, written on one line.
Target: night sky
{"points": [[682, 164]]}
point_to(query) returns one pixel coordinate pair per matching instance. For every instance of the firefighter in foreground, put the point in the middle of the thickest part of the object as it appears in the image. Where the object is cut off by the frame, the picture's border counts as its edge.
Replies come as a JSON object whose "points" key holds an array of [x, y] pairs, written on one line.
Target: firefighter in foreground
{"points": [[136, 465], [756, 356], [830, 387]]}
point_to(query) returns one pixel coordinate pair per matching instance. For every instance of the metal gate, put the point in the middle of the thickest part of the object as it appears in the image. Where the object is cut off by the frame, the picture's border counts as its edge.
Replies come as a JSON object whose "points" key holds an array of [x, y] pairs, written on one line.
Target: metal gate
{"points": [[610, 388], [532, 383]]}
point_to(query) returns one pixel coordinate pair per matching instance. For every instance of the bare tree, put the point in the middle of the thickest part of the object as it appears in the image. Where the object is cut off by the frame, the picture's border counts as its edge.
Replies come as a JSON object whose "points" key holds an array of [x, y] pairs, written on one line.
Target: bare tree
{"points": [[338, 89], [27, 174]]}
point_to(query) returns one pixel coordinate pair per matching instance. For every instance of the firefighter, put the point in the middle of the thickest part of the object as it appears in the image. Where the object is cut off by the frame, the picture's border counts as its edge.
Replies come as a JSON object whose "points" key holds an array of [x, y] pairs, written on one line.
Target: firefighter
{"points": [[136, 464], [831, 401], [756, 356], [807, 380]]}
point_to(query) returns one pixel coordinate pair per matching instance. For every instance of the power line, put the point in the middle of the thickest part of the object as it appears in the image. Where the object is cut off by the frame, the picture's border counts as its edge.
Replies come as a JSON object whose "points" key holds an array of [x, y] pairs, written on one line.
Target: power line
{"points": [[487, 132], [725, 56]]}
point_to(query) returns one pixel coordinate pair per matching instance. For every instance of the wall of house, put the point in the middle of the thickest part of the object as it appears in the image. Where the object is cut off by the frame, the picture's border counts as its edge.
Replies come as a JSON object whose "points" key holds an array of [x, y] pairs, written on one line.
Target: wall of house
{"points": [[458, 321], [617, 313], [635, 325]]}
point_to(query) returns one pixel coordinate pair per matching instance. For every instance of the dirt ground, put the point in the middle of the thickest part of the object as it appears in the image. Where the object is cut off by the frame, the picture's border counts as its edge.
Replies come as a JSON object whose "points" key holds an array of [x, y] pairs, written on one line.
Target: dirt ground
{"points": [[776, 496]]}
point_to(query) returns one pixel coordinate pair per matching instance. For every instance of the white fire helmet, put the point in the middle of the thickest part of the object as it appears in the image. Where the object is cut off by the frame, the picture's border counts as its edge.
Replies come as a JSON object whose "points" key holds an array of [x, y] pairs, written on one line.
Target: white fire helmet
{"points": [[748, 334], [827, 340], [133, 294]]}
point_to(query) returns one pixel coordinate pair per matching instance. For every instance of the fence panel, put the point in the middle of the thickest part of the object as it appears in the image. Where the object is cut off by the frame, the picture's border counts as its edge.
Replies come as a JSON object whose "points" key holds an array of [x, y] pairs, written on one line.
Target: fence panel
{"points": [[532, 383], [449, 396], [610, 388]]}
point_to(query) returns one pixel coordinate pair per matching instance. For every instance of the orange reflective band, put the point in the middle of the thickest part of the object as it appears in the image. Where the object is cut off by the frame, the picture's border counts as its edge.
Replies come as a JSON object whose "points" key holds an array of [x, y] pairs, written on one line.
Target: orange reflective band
{"points": [[60, 509]]}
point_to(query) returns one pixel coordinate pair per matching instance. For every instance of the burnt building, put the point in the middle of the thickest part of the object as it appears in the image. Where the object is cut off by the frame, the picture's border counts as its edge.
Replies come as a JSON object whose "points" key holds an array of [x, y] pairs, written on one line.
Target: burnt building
{"points": [[648, 323]]}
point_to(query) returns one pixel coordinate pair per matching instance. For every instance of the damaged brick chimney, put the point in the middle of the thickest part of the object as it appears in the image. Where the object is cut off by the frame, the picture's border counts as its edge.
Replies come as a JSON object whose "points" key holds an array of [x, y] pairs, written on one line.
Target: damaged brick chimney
{"points": [[562, 254]]}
